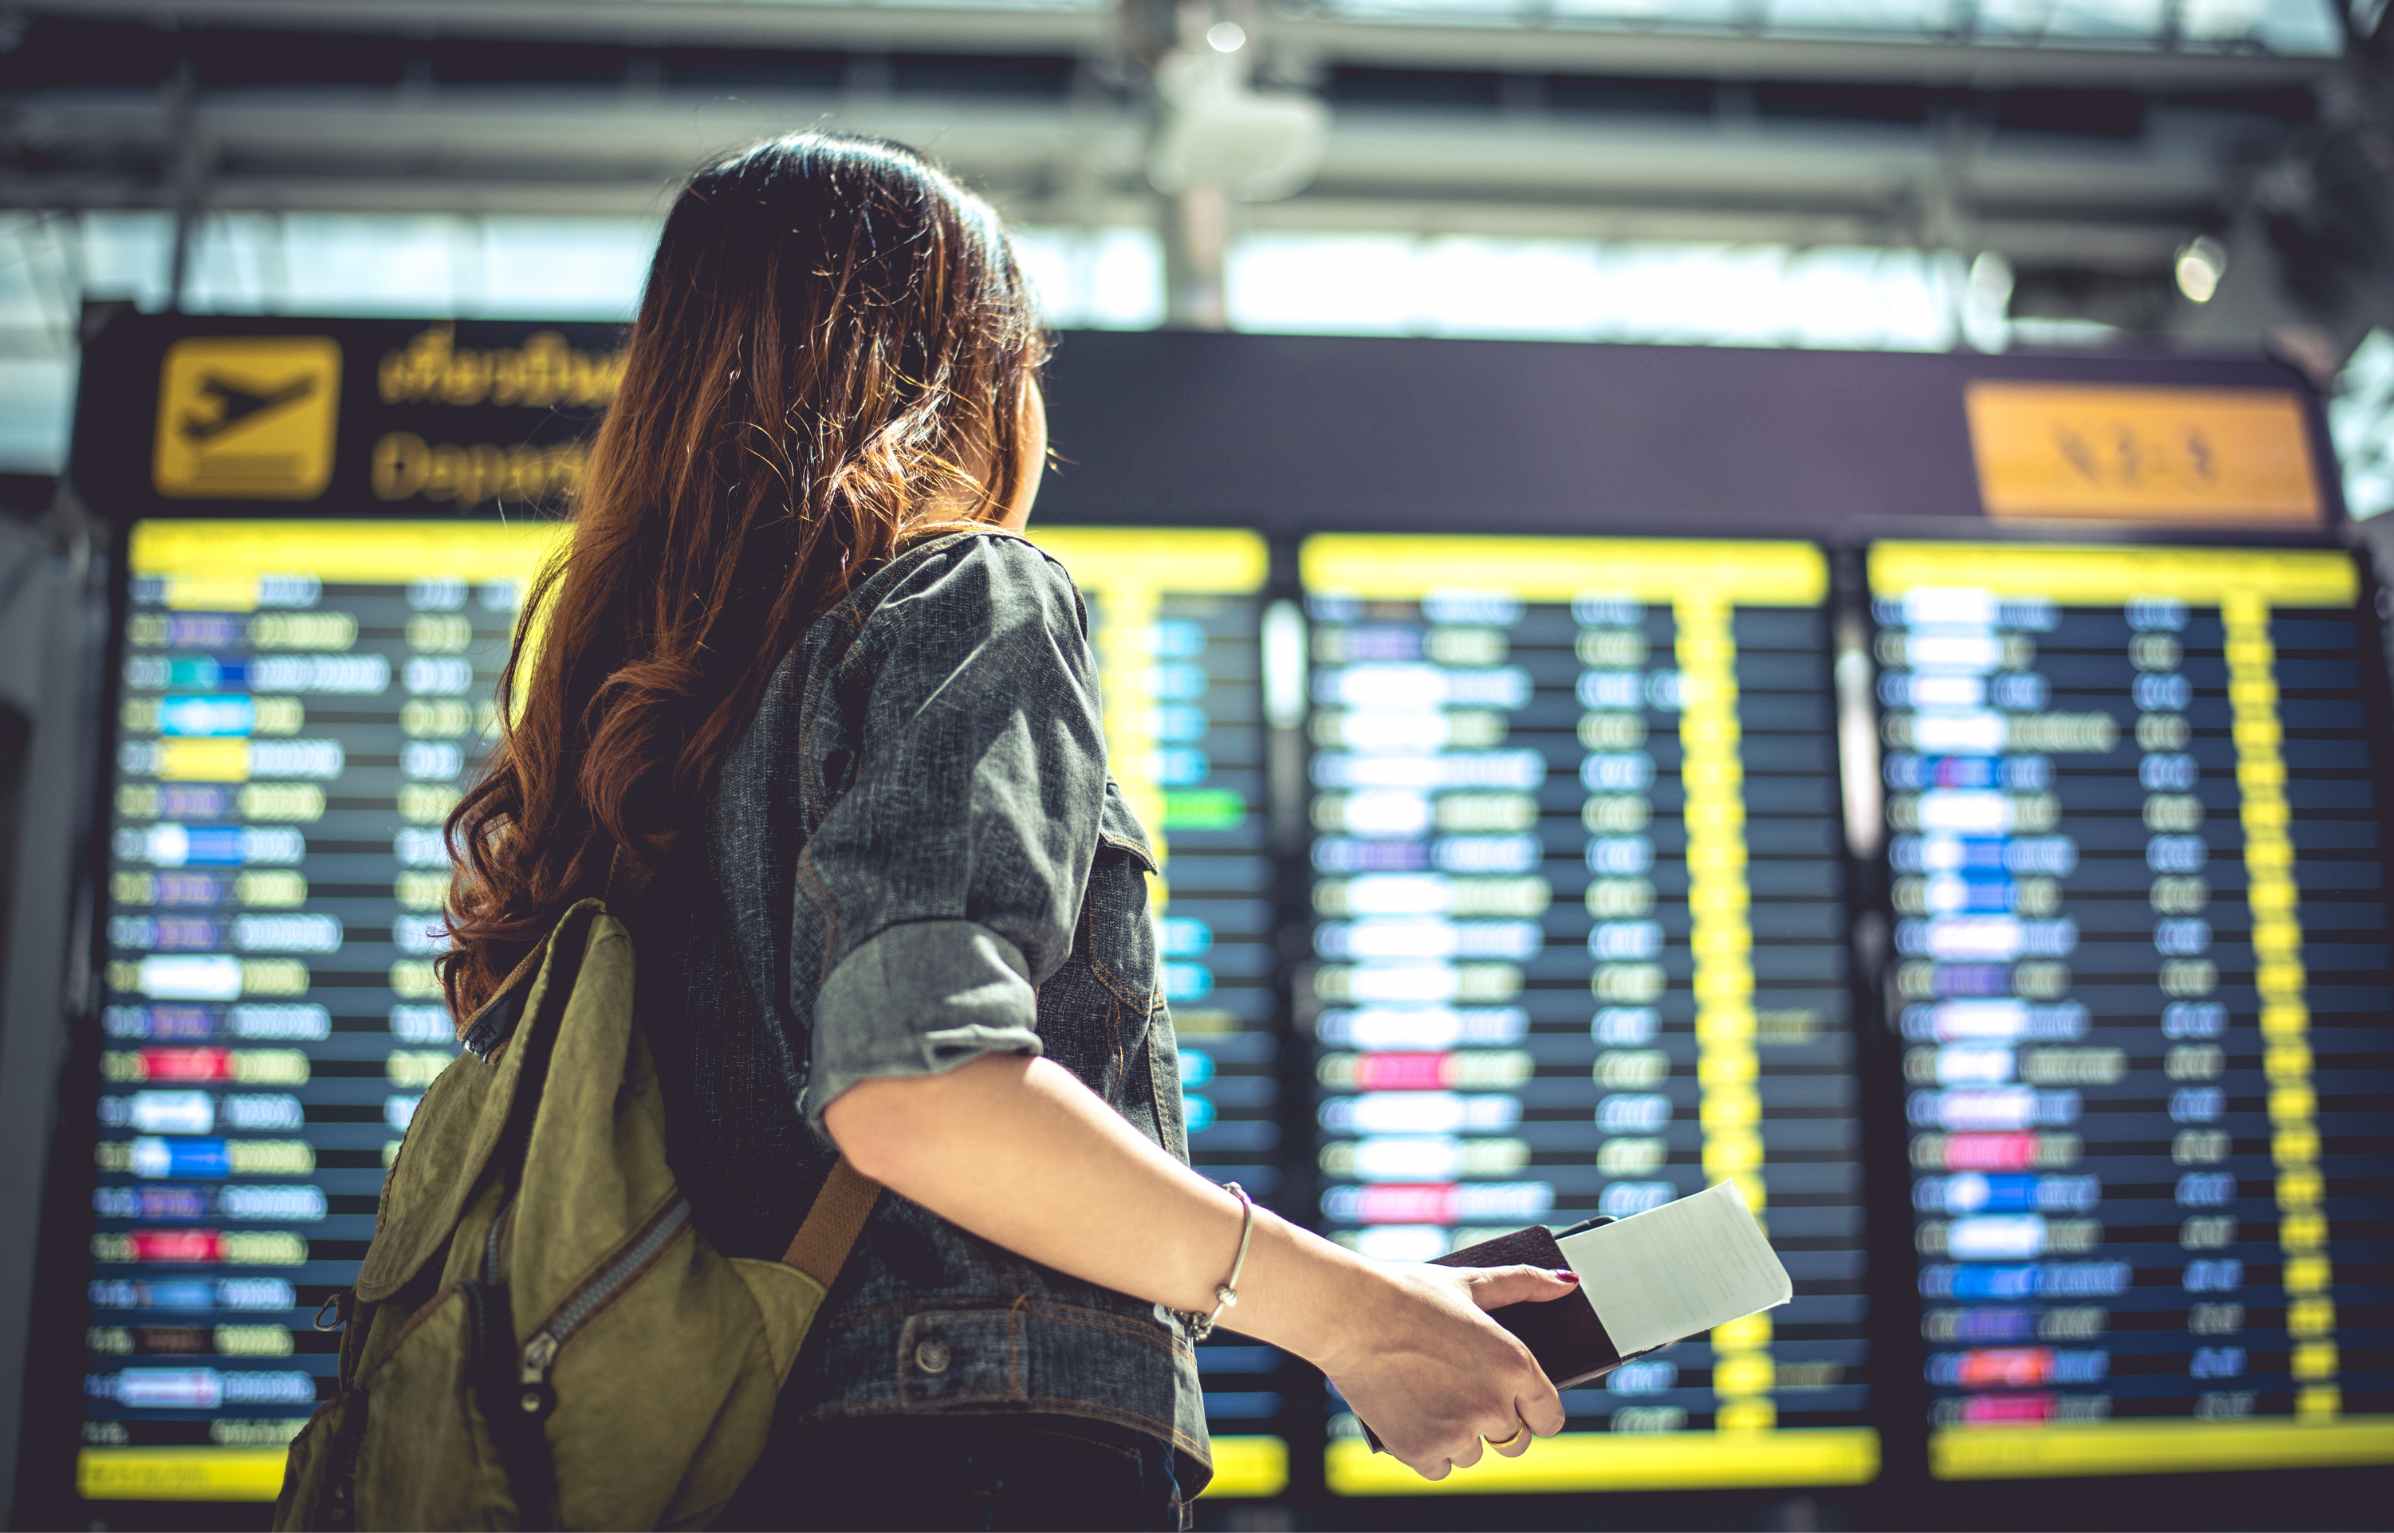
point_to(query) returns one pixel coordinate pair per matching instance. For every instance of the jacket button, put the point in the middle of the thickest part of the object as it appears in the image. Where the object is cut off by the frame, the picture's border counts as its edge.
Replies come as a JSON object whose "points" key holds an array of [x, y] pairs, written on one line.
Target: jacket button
{"points": [[931, 1356]]}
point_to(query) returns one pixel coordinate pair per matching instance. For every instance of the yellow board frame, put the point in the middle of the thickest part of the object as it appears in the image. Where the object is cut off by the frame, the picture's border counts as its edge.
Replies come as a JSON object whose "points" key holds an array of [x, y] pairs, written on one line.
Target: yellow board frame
{"points": [[2058, 1448], [1401, 567], [2111, 573], [1587, 1461]]}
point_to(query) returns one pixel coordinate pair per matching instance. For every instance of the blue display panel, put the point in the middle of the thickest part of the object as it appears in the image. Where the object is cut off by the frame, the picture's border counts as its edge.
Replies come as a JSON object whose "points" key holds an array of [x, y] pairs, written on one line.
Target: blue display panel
{"points": [[1580, 948], [302, 701], [2141, 979]]}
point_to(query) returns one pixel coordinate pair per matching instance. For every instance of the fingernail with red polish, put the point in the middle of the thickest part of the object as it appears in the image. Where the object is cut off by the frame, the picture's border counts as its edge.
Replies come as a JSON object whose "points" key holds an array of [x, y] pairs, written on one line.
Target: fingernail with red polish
{"points": [[1566, 1274]]}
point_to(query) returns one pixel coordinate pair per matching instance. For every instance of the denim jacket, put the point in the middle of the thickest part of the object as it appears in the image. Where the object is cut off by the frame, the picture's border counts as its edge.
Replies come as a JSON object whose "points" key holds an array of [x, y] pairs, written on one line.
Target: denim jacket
{"points": [[916, 856]]}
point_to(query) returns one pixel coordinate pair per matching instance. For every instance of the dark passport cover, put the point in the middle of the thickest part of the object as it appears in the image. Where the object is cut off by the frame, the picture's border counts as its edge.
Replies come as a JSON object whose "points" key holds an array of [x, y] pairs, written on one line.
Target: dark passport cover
{"points": [[1564, 1334]]}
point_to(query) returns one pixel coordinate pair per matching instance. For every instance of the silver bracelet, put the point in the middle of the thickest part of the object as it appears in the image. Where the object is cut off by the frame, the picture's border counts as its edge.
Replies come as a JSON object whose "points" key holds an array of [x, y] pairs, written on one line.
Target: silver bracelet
{"points": [[1202, 1326]]}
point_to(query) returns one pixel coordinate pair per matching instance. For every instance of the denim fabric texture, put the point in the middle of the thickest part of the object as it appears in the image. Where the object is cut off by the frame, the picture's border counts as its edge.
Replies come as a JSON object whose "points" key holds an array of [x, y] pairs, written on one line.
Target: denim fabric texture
{"points": [[952, 1474], [914, 857]]}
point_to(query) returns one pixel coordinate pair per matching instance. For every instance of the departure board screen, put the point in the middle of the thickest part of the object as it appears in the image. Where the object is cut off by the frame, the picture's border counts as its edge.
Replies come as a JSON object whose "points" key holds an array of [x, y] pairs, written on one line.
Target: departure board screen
{"points": [[1580, 948], [2142, 977], [301, 704]]}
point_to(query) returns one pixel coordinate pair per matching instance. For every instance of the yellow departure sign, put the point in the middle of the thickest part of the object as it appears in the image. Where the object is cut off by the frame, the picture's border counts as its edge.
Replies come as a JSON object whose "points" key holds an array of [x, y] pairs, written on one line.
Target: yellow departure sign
{"points": [[2159, 456], [247, 417]]}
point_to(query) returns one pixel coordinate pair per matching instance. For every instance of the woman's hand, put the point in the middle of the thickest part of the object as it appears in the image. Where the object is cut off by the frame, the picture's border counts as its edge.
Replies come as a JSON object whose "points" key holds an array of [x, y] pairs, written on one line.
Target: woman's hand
{"points": [[1434, 1376]]}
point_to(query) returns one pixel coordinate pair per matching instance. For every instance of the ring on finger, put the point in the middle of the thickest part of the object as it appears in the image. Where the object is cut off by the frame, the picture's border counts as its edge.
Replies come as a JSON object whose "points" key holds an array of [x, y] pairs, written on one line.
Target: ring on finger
{"points": [[1503, 1443]]}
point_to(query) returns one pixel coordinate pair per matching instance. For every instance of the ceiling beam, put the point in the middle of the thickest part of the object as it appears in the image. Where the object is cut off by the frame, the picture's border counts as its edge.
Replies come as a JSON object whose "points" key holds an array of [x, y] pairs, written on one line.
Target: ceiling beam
{"points": [[952, 28], [2023, 234], [504, 131], [1619, 49], [549, 150], [648, 140], [1288, 33]]}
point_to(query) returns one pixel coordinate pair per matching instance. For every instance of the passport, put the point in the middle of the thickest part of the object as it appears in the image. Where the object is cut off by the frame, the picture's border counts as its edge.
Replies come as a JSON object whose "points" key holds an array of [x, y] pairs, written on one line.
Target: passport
{"points": [[1645, 1282]]}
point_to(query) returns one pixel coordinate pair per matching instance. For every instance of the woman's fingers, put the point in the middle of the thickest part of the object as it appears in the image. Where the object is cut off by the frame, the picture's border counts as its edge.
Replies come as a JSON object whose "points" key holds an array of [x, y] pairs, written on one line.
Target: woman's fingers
{"points": [[1538, 1404], [1496, 1287], [1458, 1383], [1508, 1434]]}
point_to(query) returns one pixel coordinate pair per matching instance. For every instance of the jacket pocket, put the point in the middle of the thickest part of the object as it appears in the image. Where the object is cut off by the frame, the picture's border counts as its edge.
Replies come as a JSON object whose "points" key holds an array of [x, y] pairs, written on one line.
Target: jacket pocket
{"points": [[1120, 913], [1163, 1080]]}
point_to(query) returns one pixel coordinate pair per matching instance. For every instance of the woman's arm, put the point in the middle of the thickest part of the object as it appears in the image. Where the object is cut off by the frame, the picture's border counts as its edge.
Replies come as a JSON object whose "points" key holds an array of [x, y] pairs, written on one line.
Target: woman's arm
{"points": [[948, 875], [1020, 1152]]}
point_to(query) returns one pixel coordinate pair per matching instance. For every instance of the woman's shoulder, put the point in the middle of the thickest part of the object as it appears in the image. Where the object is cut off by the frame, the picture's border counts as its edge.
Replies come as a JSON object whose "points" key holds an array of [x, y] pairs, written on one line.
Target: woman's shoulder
{"points": [[967, 578]]}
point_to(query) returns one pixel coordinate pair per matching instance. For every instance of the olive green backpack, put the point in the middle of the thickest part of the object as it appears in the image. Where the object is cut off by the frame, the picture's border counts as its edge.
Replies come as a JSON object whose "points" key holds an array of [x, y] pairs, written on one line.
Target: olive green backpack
{"points": [[538, 1337]]}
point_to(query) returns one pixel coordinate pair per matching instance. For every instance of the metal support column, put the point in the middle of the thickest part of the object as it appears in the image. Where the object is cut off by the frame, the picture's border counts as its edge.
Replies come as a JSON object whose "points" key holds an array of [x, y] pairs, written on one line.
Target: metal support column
{"points": [[1196, 255]]}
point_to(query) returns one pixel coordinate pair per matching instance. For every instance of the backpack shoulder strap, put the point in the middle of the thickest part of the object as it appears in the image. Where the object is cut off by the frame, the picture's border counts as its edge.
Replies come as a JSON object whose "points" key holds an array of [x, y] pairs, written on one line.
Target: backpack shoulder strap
{"points": [[845, 1201], [828, 1234]]}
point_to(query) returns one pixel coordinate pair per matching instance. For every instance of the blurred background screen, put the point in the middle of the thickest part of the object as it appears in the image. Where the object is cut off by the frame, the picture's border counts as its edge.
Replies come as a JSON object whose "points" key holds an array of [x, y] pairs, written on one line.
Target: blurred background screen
{"points": [[1775, 591], [1576, 854], [2142, 1002], [302, 704], [2006, 917]]}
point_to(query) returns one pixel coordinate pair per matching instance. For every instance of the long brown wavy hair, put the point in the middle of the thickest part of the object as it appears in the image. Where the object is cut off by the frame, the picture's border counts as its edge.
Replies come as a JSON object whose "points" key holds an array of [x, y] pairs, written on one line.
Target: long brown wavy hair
{"points": [[831, 357]]}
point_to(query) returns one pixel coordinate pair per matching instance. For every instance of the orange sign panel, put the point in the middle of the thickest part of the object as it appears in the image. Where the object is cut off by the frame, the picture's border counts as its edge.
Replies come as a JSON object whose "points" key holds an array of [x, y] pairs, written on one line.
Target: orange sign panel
{"points": [[2163, 456]]}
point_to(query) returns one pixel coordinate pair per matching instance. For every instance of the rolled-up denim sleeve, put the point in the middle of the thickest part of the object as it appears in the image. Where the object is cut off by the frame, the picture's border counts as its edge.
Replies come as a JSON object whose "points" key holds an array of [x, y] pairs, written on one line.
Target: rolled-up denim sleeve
{"points": [[947, 872]]}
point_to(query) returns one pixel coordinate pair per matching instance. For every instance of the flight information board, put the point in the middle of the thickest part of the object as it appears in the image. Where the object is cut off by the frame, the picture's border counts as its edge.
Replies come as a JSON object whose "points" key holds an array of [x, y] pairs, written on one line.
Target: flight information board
{"points": [[301, 704], [2142, 975], [1580, 949]]}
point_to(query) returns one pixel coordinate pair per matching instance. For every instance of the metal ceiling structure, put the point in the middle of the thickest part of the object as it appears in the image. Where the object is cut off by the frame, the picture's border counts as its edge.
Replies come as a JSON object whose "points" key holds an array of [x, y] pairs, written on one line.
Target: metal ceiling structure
{"points": [[2087, 155], [2078, 145]]}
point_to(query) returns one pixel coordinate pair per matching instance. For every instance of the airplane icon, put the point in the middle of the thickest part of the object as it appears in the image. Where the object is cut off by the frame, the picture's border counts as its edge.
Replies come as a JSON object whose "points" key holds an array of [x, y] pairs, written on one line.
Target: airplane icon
{"points": [[231, 404], [249, 417]]}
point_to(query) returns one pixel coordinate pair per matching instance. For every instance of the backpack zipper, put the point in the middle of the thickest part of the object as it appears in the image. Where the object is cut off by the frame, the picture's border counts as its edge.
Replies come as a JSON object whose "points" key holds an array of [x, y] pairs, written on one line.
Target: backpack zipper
{"points": [[487, 1307], [490, 1242], [523, 1453], [535, 1397]]}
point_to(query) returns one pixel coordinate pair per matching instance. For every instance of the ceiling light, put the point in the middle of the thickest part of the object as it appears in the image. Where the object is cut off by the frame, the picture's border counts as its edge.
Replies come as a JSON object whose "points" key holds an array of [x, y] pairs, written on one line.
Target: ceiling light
{"points": [[2202, 262]]}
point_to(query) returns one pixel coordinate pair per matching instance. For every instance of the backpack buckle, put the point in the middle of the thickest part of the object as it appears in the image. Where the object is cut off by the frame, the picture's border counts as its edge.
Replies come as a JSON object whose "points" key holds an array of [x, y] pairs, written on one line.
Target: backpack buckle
{"points": [[494, 1025]]}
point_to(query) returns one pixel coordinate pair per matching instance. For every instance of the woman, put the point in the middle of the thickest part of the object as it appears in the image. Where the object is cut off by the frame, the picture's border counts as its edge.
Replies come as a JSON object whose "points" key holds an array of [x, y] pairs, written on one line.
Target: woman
{"points": [[799, 666]]}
